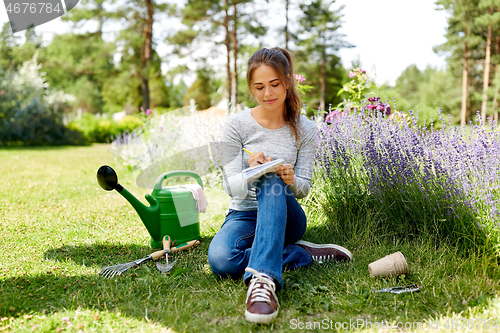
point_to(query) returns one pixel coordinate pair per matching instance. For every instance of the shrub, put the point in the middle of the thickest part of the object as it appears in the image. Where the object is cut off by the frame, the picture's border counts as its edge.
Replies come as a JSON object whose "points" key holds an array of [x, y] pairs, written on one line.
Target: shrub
{"points": [[33, 125], [30, 113], [420, 183], [102, 130], [129, 123]]}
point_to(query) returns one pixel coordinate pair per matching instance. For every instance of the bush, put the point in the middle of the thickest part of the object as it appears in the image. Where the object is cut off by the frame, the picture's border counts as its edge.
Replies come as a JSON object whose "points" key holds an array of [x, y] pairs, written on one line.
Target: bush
{"points": [[103, 130], [129, 123], [435, 184], [30, 113], [33, 125]]}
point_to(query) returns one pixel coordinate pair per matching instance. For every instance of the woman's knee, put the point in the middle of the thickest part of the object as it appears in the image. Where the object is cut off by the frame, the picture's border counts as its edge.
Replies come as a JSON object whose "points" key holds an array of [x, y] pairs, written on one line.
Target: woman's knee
{"points": [[270, 184], [221, 263]]}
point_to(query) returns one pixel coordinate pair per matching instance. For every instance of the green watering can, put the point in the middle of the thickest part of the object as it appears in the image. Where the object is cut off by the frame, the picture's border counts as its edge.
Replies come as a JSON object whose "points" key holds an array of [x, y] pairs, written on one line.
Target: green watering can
{"points": [[173, 209]]}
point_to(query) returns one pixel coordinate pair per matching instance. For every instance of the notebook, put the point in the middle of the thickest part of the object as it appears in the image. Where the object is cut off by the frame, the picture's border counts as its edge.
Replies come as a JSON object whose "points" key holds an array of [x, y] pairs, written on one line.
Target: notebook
{"points": [[257, 171]]}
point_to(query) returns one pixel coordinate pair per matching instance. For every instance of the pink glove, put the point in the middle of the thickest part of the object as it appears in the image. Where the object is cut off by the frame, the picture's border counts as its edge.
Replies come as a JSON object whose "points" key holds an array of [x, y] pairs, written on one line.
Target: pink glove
{"points": [[199, 196]]}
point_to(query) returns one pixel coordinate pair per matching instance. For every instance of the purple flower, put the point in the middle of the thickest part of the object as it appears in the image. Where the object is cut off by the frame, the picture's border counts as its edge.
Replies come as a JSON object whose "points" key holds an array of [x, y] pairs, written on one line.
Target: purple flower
{"points": [[444, 175]]}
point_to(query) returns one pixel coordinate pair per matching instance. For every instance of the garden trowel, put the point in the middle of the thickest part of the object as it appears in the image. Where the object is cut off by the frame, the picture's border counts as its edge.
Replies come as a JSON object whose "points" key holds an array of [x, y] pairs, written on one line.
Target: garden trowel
{"points": [[165, 268]]}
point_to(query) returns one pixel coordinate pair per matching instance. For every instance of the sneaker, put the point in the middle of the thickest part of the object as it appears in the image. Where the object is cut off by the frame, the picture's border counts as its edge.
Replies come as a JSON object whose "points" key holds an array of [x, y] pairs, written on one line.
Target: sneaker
{"points": [[261, 303], [323, 252]]}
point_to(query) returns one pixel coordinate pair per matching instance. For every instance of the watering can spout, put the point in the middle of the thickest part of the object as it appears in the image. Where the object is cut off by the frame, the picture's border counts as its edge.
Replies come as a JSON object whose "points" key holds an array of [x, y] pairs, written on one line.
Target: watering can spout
{"points": [[150, 216]]}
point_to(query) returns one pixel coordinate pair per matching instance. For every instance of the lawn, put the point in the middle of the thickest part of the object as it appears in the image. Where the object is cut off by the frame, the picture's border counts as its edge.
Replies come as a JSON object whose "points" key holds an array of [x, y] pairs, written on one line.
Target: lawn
{"points": [[59, 228]]}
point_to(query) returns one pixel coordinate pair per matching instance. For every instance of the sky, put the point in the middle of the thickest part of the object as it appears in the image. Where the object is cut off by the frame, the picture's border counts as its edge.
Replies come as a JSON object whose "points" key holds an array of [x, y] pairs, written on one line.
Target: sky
{"points": [[388, 35]]}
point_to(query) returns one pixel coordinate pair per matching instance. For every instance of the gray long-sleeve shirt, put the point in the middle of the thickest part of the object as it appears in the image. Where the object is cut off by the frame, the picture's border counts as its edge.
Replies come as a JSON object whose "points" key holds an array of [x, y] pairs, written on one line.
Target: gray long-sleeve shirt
{"points": [[241, 130]]}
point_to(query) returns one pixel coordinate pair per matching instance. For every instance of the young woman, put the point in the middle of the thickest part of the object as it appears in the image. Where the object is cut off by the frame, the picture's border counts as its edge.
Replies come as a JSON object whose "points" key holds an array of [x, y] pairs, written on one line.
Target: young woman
{"points": [[261, 233]]}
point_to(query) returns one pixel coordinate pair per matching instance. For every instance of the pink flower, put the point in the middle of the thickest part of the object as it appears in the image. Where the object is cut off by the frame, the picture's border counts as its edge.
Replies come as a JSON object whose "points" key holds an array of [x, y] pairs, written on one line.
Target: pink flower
{"points": [[356, 71], [300, 78], [148, 112], [334, 115], [142, 109]]}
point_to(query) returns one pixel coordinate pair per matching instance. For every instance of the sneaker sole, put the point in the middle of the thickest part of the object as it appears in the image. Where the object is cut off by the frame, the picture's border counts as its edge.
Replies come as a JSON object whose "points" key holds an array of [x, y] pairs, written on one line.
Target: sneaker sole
{"points": [[319, 246], [260, 318]]}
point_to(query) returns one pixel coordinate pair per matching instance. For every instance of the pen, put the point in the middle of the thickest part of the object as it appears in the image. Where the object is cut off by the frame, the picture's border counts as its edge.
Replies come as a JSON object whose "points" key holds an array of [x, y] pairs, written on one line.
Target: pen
{"points": [[247, 151]]}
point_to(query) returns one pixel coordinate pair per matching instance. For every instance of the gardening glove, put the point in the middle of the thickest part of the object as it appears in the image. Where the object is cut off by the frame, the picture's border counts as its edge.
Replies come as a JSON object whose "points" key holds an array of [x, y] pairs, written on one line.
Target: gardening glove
{"points": [[199, 196]]}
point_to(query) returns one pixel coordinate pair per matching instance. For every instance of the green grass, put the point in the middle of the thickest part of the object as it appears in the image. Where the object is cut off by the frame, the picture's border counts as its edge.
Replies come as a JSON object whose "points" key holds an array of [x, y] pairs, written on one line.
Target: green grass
{"points": [[59, 228]]}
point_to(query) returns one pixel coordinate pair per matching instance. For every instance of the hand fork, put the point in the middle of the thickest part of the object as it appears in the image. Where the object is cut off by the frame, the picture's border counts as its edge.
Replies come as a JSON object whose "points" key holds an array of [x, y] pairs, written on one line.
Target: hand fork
{"points": [[112, 271]]}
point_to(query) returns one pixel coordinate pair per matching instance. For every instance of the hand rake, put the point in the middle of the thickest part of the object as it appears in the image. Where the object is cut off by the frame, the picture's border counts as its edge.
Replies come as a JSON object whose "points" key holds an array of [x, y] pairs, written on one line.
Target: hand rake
{"points": [[112, 271], [116, 270]]}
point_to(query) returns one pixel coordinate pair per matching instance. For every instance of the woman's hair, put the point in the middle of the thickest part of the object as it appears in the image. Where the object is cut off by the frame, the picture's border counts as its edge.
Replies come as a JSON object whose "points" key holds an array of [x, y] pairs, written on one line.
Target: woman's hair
{"points": [[281, 61]]}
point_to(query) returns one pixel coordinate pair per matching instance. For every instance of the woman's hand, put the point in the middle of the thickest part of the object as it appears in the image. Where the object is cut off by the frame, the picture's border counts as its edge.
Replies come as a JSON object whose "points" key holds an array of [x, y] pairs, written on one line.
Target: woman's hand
{"points": [[286, 173], [258, 158]]}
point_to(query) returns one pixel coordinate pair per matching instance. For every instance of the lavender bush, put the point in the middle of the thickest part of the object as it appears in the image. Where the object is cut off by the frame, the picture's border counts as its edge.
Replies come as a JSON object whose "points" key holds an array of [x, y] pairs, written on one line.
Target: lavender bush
{"points": [[409, 181]]}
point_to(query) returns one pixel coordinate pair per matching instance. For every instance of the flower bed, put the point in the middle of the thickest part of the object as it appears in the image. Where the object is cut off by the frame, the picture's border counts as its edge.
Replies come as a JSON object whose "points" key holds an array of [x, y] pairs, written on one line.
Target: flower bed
{"points": [[420, 182]]}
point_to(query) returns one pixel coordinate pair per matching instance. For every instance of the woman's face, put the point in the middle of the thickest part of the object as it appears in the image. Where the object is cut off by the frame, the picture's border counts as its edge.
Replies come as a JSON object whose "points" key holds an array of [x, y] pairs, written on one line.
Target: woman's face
{"points": [[268, 89]]}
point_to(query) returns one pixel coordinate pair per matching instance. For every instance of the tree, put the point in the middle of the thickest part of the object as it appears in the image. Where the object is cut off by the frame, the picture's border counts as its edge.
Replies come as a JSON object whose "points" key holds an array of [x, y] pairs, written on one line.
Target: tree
{"points": [[320, 38], [336, 75], [215, 22], [408, 84], [425, 91], [82, 74], [462, 38], [33, 38], [489, 19], [136, 41], [206, 20], [203, 88], [7, 43], [287, 5], [90, 10]]}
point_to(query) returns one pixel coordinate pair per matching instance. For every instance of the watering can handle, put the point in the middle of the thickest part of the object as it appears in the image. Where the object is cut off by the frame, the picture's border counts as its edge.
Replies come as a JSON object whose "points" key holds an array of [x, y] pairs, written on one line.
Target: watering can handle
{"points": [[165, 175]]}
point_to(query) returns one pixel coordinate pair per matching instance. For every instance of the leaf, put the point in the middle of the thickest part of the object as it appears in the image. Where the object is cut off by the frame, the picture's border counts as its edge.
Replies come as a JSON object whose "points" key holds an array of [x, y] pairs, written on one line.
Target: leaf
{"points": [[179, 271]]}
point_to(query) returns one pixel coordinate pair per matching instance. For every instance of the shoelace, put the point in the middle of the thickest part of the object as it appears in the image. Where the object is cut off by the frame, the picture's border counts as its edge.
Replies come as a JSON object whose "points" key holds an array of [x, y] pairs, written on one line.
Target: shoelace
{"points": [[322, 257], [261, 288]]}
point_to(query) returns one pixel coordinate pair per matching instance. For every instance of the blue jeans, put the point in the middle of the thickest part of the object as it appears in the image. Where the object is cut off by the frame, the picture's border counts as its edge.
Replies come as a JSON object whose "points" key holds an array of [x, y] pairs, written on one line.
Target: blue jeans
{"points": [[262, 239]]}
